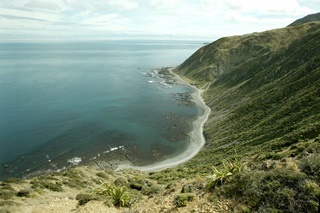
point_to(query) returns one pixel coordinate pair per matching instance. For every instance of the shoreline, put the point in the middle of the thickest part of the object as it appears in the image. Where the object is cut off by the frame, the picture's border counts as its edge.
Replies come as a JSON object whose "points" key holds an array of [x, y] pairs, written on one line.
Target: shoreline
{"points": [[196, 141]]}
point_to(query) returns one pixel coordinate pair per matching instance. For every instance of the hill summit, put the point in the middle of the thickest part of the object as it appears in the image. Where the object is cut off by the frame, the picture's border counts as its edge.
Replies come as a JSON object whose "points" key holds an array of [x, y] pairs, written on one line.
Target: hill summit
{"points": [[306, 19]]}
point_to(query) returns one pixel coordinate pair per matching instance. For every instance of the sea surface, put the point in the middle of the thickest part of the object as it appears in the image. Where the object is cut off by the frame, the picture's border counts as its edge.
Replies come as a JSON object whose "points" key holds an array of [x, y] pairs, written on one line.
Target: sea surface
{"points": [[67, 103]]}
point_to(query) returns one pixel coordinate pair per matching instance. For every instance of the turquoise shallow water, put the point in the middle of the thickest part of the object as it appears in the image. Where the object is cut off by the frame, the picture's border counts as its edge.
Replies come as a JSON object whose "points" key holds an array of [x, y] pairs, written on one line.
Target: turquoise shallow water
{"points": [[61, 100]]}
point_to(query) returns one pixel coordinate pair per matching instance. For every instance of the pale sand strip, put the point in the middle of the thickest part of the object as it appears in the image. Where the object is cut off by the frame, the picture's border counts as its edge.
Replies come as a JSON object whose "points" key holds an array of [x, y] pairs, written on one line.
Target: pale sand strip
{"points": [[197, 139]]}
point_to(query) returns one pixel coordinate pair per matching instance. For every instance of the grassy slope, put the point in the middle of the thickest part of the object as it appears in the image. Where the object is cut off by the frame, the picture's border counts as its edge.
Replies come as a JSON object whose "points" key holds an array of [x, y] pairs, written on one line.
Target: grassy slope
{"points": [[264, 93]]}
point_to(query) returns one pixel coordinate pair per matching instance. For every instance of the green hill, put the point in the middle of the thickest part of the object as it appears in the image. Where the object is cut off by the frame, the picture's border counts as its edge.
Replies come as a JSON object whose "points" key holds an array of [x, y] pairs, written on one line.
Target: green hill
{"points": [[306, 19], [263, 90], [264, 93]]}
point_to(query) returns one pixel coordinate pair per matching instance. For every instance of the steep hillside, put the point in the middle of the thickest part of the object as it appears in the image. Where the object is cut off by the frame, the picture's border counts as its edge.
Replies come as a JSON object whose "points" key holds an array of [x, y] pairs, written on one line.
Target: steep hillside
{"points": [[263, 90], [306, 19]]}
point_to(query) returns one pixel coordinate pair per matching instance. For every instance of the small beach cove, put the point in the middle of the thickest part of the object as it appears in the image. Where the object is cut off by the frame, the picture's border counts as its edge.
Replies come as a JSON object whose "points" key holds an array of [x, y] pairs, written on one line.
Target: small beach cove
{"points": [[196, 137]]}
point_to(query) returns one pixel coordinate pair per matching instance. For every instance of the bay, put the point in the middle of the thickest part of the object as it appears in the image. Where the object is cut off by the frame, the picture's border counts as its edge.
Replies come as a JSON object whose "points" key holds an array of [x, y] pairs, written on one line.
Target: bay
{"points": [[61, 100]]}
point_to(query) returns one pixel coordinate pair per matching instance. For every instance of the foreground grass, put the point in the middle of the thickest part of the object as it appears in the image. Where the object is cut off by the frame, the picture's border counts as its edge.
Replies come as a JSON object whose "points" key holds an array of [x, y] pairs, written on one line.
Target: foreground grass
{"points": [[286, 185]]}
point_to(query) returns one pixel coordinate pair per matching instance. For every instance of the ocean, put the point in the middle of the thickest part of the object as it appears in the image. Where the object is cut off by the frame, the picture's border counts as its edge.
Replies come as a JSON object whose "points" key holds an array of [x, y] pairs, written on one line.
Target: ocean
{"points": [[69, 103]]}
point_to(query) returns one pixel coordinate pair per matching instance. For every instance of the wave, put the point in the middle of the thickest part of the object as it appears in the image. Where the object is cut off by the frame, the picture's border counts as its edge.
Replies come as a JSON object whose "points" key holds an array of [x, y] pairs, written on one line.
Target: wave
{"points": [[165, 84], [74, 161], [107, 151]]}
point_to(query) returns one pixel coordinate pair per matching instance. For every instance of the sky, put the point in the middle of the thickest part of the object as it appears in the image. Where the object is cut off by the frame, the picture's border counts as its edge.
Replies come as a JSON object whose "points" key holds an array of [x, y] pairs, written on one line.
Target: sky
{"points": [[167, 19]]}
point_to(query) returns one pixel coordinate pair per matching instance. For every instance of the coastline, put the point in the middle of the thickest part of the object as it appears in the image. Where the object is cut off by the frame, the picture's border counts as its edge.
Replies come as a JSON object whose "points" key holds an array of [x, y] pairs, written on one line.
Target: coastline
{"points": [[196, 141]]}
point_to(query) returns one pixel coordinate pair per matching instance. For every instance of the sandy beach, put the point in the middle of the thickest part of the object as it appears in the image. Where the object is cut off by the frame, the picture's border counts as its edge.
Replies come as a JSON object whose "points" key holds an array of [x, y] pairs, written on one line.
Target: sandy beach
{"points": [[197, 139]]}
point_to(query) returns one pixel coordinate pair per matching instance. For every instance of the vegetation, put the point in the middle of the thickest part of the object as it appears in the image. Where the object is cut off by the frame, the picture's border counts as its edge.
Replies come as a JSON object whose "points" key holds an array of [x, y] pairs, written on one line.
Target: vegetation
{"points": [[118, 193], [278, 189], [74, 179], [306, 19], [183, 199], [85, 198], [102, 175], [264, 94], [23, 193], [310, 165], [223, 175], [42, 184]]}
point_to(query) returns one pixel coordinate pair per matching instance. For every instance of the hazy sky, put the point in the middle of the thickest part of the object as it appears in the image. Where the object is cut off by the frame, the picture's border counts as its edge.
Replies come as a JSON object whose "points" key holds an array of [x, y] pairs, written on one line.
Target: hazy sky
{"points": [[190, 19]]}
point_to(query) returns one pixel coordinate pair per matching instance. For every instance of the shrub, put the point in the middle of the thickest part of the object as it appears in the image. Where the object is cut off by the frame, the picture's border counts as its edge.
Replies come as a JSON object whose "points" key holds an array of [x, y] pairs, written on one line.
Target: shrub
{"points": [[144, 186], [23, 193], [6, 195], [85, 198], [183, 199], [12, 180], [149, 191], [118, 193], [9, 203], [136, 186], [73, 174], [221, 176], [311, 166], [102, 175], [5, 186], [279, 189], [120, 181], [75, 179], [56, 187], [188, 188]]}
